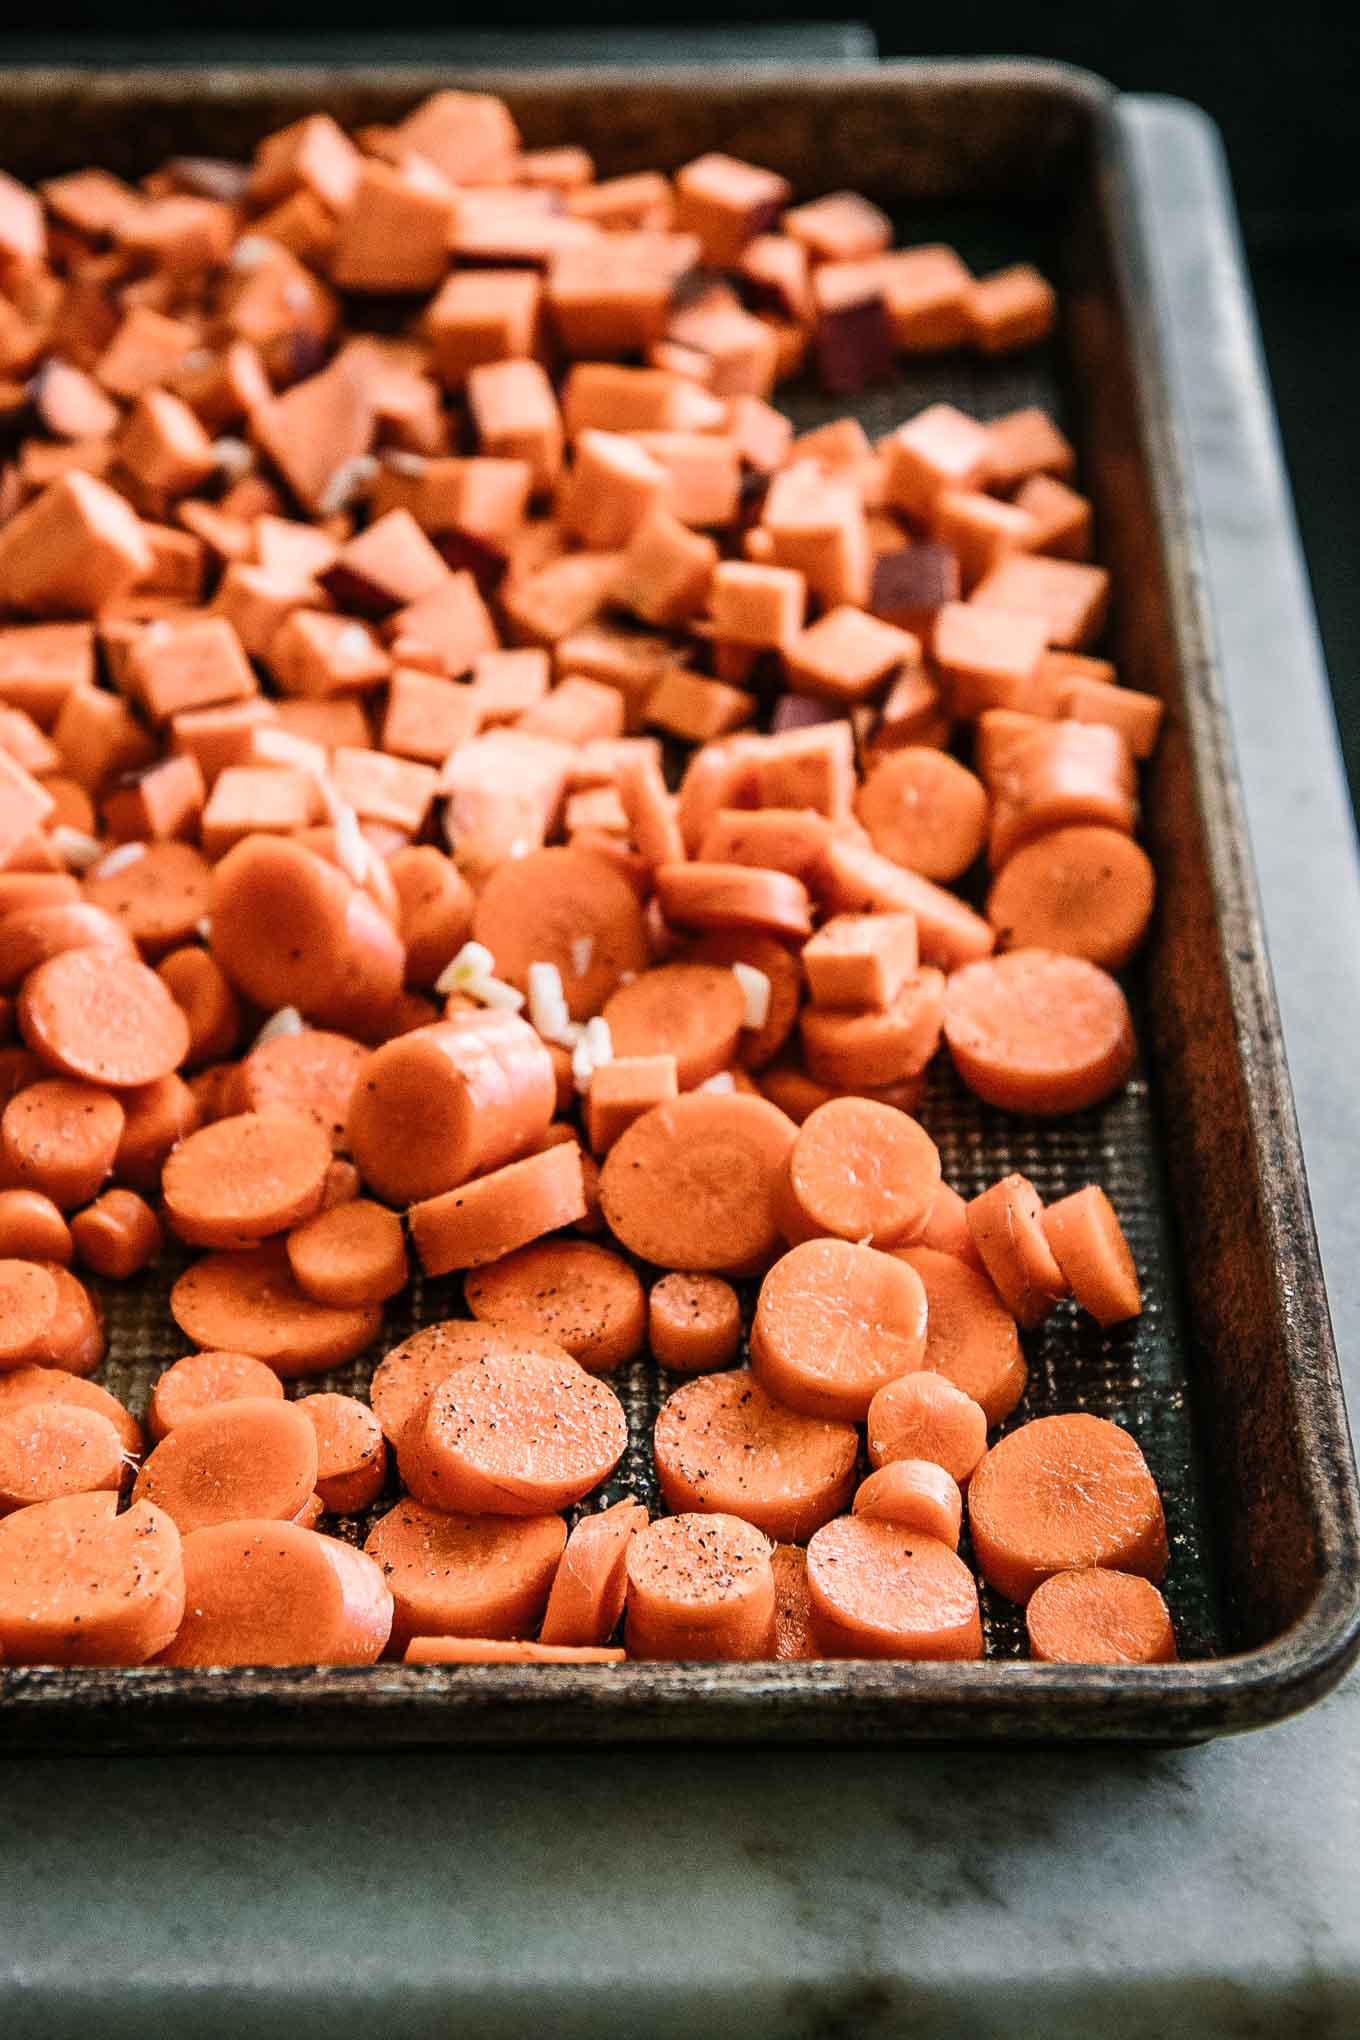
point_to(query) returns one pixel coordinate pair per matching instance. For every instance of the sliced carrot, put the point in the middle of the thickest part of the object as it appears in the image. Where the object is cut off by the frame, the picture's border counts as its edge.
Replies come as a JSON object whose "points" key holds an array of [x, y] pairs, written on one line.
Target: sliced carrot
{"points": [[95, 1014], [251, 1457], [924, 810], [1097, 1617], [200, 1381], [694, 1184], [243, 1178], [567, 907], [465, 1575], [81, 1584], [794, 1636], [484, 1650], [863, 1171], [971, 1337], [313, 1072], [881, 1590], [155, 1117], [1083, 891], [61, 1139], [1063, 1493], [351, 1451], [51, 1449], [259, 1592], [201, 989], [1006, 1223], [352, 1254], [854, 879], [946, 1228], [33, 935], [693, 1323], [868, 1049], [778, 966], [515, 1435], [834, 1323], [707, 896], [28, 1310], [436, 905], [406, 1378], [342, 1183], [923, 1416], [702, 1588], [722, 1445], [74, 1340], [693, 1011], [249, 1303], [1089, 1247], [118, 1235], [1033, 1031], [159, 896], [588, 1592], [917, 1493], [493, 1215], [582, 1296], [24, 1387]]}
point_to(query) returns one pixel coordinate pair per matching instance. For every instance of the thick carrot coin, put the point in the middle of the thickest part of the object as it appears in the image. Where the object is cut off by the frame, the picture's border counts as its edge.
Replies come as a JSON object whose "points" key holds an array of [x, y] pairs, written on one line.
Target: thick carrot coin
{"points": [[313, 1072], [249, 1303], [863, 1171], [1006, 1223], [202, 1380], [95, 1014], [834, 1322], [28, 1309], [587, 1594], [61, 1139], [351, 1451], [485, 1650], [436, 903], [266, 1593], [51, 1449], [702, 1588], [32, 936], [25, 1387], [693, 1011], [1033, 1031], [352, 1254], [252, 1457], [1088, 1245], [693, 1323], [494, 1215], [82, 1585], [864, 1050], [465, 1575], [722, 1446], [778, 965], [794, 1636], [946, 1228], [1083, 891], [160, 895], [517, 1435], [118, 1235], [31, 1226], [971, 1337], [704, 896], [406, 1378], [693, 1184], [924, 810], [917, 1493], [1098, 1617], [566, 907], [155, 1117], [74, 1339], [203, 992], [582, 1296], [243, 1178], [923, 1416], [1062, 1493], [881, 1590]]}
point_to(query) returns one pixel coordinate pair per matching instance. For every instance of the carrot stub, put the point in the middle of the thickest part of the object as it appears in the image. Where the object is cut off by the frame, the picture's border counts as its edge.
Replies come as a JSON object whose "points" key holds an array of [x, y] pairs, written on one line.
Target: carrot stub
{"points": [[700, 1587], [1098, 1617], [202, 1380], [248, 1302], [351, 1451], [863, 1171], [515, 1435], [243, 1178], [118, 1235], [32, 1228], [693, 1323], [722, 1445], [834, 1322], [694, 1183], [252, 1457], [582, 1296], [1033, 1031], [881, 1590], [266, 1593], [588, 1591], [971, 1337], [465, 1575], [923, 1416], [82, 1585], [916, 1493], [1088, 1245], [354, 1253]]}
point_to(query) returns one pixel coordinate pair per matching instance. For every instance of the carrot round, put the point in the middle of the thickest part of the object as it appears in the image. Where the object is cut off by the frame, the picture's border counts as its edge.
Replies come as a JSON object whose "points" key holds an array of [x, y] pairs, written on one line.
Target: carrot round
{"points": [[406, 1378], [1033, 1031], [566, 907], [794, 1636], [722, 1446], [32, 1227], [1083, 891], [863, 1171], [1089, 1247], [866, 1049], [252, 1457], [74, 1338], [971, 1337], [515, 1435], [465, 1575], [200, 1381], [704, 896], [203, 992], [693, 1323], [700, 1587], [95, 1014], [61, 1139], [259, 1592], [249, 1303], [881, 1590], [50, 1449], [587, 1594], [354, 1253], [923, 1416], [28, 1309], [486, 1650], [155, 1117], [1097, 1617], [582, 1296], [159, 896], [351, 1451], [693, 1184], [1062, 1493], [118, 1235], [26, 1387], [778, 965], [435, 904], [834, 1322], [917, 1493], [924, 810], [81, 1584], [693, 1011], [495, 1214], [243, 1178], [32, 935], [313, 1072], [1006, 1222]]}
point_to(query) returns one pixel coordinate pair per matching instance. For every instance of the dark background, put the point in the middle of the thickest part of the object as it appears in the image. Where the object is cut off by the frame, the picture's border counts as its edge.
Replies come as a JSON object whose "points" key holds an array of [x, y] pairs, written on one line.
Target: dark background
{"points": [[1282, 83]]}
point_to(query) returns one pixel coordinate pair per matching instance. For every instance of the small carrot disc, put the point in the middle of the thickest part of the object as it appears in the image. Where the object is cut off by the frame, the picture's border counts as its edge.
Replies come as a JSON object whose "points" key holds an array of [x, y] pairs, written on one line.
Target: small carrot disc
{"points": [[587, 1594], [243, 1178], [1098, 1617], [1084, 891], [32, 1228], [923, 1416], [62, 1139], [515, 1436], [465, 1575], [700, 1587], [924, 810], [1089, 1246], [778, 965], [1006, 1223], [406, 1378], [567, 907], [971, 1337], [693, 1323], [881, 1590], [313, 1072], [159, 896], [249, 1303], [916, 1493], [28, 1309], [722, 1446], [693, 1011], [252, 1457], [351, 1451], [834, 1322], [863, 1171], [201, 1380], [866, 1049], [794, 1636], [30, 937], [355, 1253], [22, 1387], [582, 1296], [693, 1184], [1033, 1031], [96, 1014], [266, 1593], [81, 1584], [51, 1449]]}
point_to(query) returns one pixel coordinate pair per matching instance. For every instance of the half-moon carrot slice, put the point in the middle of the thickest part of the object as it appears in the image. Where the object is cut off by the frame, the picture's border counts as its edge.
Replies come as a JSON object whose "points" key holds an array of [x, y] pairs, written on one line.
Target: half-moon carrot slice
{"points": [[706, 896], [693, 1323], [863, 1171], [1006, 1223], [923, 1416], [700, 1587], [1098, 1617], [693, 1011], [266, 1593], [568, 907], [881, 1590], [970, 1335], [834, 1322], [51, 1449], [74, 1341], [32, 1227], [588, 1592], [794, 1636], [722, 1446], [406, 1378], [517, 1435], [778, 965], [582, 1296], [61, 1139], [1033, 1031], [465, 1575], [1083, 891], [255, 1457], [491, 1216], [354, 1253], [249, 1303], [1088, 1245], [1062, 1493], [693, 1184], [96, 1014], [28, 1310], [485, 1650], [22, 1387], [313, 1072], [159, 896], [202, 1380], [82, 1585], [243, 1178], [917, 1493]]}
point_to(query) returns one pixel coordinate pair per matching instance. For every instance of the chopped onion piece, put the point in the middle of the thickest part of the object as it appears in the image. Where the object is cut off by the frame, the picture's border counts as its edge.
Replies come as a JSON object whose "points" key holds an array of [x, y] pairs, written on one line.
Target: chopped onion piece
{"points": [[492, 991], [119, 860], [755, 989], [75, 849], [582, 950], [721, 1080], [472, 966], [287, 1020]]}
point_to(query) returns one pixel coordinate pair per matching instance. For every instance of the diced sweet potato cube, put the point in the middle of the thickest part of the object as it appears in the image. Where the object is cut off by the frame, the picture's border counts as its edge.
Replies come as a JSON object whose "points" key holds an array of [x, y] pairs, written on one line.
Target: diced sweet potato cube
{"points": [[24, 806], [762, 434], [226, 538], [912, 713], [99, 736], [846, 654], [482, 315], [271, 299], [980, 530], [564, 169], [726, 203], [23, 234], [330, 722], [816, 523], [94, 202], [256, 600], [505, 790], [1012, 308], [940, 448], [1027, 442], [158, 804], [315, 653], [1070, 597], [316, 430], [664, 574], [759, 606], [640, 199], [808, 768], [912, 583], [861, 959], [218, 737], [774, 272], [516, 417], [559, 598], [704, 469], [630, 661], [470, 137], [179, 563], [1061, 517], [926, 291], [989, 657], [743, 349], [577, 711], [840, 227], [397, 791], [451, 624], [195, 664], [74, 548], [257, 799], [163, 446], [394, 231], [612, 294], [26, 744], [1085, 690], [852, 336], [428, 716], [314, 155], [509, 683], [622, 1090], [389, 564], [70, 403], [612, 485], [180, 234], [40, 663], [690, 706]]}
